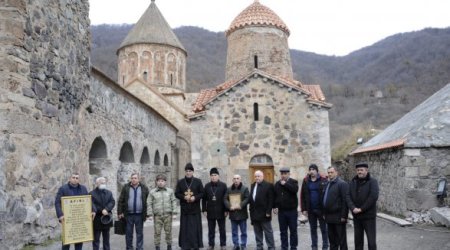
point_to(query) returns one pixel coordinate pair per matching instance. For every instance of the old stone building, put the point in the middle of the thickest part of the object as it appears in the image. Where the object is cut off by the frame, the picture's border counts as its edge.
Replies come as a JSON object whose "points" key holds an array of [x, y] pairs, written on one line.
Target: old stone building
{"points": [[409, 157], [58, 114], [260, 117]]}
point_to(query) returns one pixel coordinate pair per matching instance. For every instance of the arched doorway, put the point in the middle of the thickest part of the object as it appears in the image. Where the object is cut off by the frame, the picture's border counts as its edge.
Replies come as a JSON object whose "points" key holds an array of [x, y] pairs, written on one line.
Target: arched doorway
{"points": [[264, 163], [99, 165]]}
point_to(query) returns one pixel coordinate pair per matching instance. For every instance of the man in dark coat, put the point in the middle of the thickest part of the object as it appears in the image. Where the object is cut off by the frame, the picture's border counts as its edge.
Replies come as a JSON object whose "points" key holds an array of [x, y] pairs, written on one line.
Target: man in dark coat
{"points": [[335, 210], [362, 202], [72, 188], [261, 204], [190, 191], [132, 206], [103, 202], [214, 208], [238, 212], [286, 203], [313, 186]]}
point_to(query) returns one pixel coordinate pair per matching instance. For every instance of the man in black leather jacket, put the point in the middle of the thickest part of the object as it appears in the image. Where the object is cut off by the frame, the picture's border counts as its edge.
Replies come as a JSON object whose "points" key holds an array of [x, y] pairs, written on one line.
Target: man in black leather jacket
{"points": [[362, 202], [286, 204]]}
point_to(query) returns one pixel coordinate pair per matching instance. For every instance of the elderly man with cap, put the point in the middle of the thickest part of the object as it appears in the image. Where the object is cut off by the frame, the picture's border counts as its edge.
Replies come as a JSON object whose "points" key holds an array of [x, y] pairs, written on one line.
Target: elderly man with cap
{"points": [[312, 188], [162, 205], [103, 201], [362, 202], [214, 207], [190, 191], [286, 203]]}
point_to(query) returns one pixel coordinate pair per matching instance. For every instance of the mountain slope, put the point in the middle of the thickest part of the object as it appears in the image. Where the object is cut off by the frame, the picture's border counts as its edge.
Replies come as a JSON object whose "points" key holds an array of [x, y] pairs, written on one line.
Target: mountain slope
{"points": [[404, 68]]}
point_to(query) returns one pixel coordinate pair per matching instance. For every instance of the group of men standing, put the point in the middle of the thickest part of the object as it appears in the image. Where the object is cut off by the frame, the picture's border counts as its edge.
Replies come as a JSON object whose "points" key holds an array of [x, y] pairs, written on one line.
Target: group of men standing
{"points": [[324, 200]]}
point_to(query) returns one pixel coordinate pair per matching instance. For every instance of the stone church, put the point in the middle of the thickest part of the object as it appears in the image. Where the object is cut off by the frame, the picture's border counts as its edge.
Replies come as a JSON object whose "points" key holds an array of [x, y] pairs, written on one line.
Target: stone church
{"points": [[59, 114], [259, 118]]}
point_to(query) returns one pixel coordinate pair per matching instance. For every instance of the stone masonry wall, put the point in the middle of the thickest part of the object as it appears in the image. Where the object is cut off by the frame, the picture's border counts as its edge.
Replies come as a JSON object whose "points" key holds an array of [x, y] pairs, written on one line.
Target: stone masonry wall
{"points": [[408, 178], [51, 112], [270, 45], [289, 130], [165, 66]]}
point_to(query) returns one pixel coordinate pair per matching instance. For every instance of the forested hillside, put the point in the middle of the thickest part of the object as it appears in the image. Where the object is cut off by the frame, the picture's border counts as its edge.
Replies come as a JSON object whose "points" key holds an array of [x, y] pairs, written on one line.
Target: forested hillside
{"points": [[369, 88]]}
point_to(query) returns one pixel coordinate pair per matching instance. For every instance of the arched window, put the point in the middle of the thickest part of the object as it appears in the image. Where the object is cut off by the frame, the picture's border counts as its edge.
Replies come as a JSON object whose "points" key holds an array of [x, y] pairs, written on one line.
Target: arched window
{"points": [[97, 156], [157, 159], [145, 157], [255, 60], [262, 159], [145, 75], [98, 149], [166, 160], [255, 111], [126, 153]]}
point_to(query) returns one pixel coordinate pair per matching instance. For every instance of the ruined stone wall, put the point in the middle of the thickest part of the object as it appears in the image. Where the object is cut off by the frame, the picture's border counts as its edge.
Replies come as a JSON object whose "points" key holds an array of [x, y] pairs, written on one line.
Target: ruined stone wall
{"points": [[408, 177], [269, 45], [289, 130], [52, 111]]}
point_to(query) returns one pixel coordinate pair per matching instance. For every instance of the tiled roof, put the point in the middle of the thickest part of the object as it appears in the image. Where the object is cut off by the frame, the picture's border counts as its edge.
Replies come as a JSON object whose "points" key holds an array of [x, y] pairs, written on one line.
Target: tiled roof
{"points": [[392, 144], [427, 125], [257, 15], [314, 92], [152, 28]]}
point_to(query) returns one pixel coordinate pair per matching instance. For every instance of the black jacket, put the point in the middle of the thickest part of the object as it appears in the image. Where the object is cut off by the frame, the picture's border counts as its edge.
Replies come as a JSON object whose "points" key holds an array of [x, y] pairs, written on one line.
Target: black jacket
{"points": [[241, 214], [263, 202], [102, 199], [215, 209], [198, 190], [305, 194], [286, 195], [335, 207], [363, 194], [122, 205], [68, 190]]}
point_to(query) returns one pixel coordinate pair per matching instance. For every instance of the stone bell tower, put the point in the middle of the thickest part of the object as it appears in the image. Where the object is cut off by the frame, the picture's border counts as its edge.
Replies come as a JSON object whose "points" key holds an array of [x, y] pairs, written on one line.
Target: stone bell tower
{"points": [[258, 38], [152, 53]]}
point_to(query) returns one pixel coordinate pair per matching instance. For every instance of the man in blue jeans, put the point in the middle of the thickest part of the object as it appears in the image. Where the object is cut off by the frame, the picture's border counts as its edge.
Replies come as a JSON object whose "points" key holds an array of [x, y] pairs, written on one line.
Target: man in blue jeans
{"points": [[132, 206], [72, 188], [286, 204], [238, 213], [312, 187]]}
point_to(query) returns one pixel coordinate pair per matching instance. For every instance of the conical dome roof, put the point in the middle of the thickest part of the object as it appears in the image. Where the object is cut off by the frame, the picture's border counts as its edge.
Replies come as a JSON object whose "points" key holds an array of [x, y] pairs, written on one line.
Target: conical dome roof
{"points": [[152, 28], [257, 15]]}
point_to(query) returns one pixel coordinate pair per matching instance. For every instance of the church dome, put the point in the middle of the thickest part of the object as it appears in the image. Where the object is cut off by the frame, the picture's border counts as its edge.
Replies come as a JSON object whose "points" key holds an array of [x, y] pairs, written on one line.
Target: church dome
{"points": [[152, 28], [257, 15]]}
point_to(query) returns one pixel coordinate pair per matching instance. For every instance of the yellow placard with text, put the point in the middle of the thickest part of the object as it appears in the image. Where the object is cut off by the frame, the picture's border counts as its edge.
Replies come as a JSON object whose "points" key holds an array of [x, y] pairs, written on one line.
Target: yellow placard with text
{"points": [[77, 225]]}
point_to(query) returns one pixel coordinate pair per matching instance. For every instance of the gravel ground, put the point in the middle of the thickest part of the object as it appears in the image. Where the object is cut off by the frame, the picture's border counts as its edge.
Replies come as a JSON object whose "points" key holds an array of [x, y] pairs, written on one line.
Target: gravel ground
{"points": [[389, 236]]}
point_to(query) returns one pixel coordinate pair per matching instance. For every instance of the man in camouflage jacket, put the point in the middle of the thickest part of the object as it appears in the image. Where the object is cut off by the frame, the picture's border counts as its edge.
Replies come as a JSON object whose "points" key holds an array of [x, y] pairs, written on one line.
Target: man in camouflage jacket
{"points": [[162, 205]]}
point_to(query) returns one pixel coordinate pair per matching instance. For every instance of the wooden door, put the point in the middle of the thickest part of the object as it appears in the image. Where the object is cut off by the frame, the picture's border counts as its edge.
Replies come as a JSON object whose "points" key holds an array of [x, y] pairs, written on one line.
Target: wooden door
{"points": [[267, 170]]}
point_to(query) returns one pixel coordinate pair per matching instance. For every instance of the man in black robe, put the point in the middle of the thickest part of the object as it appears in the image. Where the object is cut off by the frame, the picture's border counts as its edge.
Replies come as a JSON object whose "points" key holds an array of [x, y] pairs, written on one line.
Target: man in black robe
{"points": [[214, 208], [190, 191]]}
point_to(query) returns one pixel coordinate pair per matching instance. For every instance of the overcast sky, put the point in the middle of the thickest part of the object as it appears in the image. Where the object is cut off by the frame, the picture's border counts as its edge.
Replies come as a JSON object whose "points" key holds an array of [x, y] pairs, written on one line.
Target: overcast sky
{"points": [[330, 27]]}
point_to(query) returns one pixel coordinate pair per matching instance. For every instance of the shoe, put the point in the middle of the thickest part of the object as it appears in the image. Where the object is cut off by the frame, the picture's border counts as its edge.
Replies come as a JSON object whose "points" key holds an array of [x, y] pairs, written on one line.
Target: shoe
{"points": [[169, 247], [210, 248], [236, 248]]}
